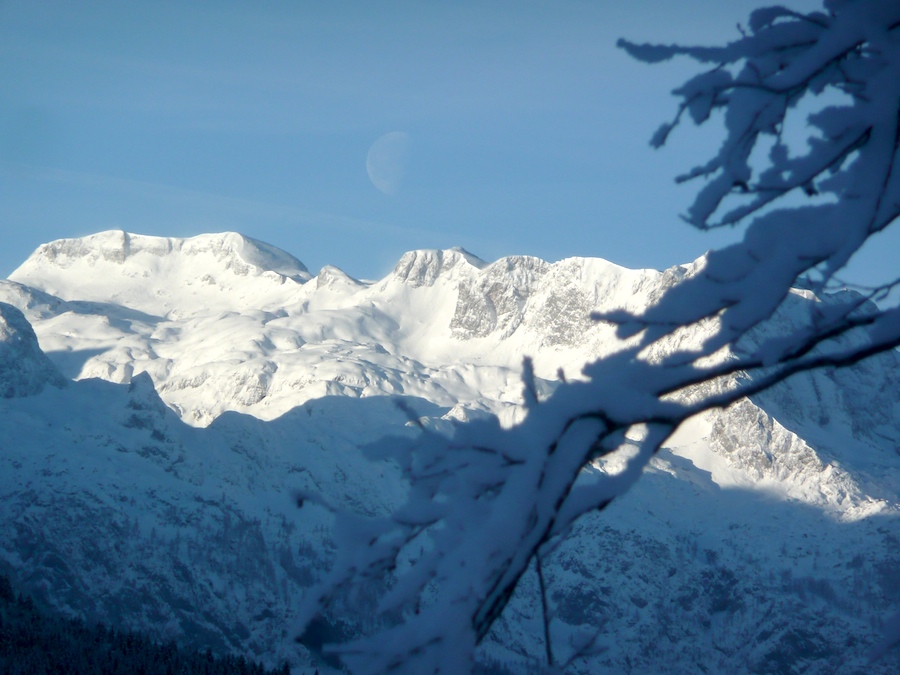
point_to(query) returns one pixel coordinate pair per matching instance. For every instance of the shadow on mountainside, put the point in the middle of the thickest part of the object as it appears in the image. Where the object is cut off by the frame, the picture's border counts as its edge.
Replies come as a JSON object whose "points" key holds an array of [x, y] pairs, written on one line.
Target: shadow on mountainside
{"points": [[71, 363], [682, 575], [114, 510]]}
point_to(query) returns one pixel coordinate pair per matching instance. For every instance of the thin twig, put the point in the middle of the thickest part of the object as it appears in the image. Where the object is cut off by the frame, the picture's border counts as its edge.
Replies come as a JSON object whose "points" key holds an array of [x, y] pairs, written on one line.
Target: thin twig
{"points": [[548, 644]]}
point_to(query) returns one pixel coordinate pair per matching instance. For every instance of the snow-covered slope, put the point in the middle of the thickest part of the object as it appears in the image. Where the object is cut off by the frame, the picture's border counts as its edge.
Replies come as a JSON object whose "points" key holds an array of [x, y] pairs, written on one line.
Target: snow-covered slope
{"points": [[158, 275], [217, 332], [213, 375]]}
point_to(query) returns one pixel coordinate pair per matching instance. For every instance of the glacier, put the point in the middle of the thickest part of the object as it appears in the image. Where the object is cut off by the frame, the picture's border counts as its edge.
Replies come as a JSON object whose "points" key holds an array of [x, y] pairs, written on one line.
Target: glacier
{"points": [[163, 399]]}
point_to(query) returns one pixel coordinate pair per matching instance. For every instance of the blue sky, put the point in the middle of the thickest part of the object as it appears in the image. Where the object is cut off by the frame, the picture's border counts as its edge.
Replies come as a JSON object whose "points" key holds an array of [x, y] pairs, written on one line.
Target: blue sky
{"points": [[528, 130]]}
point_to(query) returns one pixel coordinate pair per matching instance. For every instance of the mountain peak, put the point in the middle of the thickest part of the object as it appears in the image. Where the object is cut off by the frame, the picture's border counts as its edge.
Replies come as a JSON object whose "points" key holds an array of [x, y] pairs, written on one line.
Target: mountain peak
{"points": [[423, 267], [141, 270], [118, 246]]}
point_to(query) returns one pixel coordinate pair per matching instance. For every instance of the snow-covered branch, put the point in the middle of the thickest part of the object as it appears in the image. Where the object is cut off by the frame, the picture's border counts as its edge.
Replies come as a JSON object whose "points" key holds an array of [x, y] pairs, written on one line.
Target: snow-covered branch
{"points": [[485, 501]]}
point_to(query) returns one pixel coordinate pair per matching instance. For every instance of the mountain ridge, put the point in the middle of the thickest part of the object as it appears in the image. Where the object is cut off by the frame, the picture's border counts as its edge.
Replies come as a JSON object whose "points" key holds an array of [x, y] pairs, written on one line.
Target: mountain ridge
{"points": [[155, 489]]}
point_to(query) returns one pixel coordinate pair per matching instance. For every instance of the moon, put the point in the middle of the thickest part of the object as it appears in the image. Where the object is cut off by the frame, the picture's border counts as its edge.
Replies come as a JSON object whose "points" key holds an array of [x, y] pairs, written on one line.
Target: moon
{"points": [[387, 160]]}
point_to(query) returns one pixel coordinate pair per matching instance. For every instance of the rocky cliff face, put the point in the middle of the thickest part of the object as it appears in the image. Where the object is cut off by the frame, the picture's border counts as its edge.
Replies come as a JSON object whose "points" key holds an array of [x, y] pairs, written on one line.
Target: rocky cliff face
{"points": [[209, 378], [24, 368]]}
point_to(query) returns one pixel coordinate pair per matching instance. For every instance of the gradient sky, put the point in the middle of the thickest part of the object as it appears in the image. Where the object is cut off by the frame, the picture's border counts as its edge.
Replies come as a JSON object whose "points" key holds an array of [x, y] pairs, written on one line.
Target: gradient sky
{"points": [[528, 130]]}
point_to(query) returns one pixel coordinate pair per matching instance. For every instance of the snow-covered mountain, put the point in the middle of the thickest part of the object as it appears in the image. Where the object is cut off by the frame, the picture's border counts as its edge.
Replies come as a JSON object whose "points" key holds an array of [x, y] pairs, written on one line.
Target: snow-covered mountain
{"points": [[183, 388]]}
